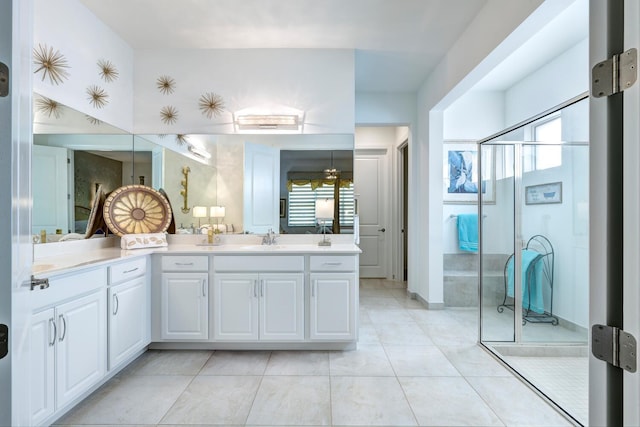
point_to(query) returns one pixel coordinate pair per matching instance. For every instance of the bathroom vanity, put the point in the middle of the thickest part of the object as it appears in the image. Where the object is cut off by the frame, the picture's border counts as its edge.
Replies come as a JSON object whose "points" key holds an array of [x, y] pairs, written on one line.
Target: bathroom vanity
{"points": [[105, 306]]}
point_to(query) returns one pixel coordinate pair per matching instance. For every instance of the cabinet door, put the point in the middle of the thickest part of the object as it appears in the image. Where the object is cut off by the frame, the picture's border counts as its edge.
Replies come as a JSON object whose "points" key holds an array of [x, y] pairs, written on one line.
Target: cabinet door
{"points": [[42, 365], [281, 307], [128, 322], [185, 308], [332, 306], [235, 301], [81, 346]]}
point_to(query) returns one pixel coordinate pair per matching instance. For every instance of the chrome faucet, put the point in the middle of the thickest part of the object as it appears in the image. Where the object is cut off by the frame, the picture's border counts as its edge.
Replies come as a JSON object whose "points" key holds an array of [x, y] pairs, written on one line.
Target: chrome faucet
{"points": [[269, 238]]}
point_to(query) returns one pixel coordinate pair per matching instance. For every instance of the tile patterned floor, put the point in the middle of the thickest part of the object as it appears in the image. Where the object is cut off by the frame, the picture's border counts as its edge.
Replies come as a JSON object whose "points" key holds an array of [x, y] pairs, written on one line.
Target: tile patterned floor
{"points": [[412, 367]]}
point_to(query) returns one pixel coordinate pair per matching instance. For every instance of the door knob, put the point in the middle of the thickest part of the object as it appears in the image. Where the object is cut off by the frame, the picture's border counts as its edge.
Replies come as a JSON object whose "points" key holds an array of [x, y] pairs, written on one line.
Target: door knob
{"points": [[383, 229]]}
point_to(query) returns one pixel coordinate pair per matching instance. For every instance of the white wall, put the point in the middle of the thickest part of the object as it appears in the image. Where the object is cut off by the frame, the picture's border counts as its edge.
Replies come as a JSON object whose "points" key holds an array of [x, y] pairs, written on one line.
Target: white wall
{"points": [[68, 26], [317, 82], [559, 80], [476, 52]]}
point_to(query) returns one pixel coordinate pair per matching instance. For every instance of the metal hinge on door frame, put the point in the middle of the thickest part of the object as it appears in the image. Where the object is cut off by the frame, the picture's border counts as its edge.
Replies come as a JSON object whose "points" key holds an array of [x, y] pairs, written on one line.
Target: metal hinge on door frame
{"points": [[615, 74], [614, 346]]}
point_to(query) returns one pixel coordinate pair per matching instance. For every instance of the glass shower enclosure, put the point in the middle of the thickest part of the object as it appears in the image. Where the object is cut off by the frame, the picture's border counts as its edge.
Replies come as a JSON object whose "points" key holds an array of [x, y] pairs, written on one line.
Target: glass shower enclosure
{"points": [[533, 248]]}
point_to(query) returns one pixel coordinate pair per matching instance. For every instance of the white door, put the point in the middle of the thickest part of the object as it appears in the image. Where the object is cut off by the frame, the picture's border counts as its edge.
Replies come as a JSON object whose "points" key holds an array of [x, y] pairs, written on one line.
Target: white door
{"points": [[261, 188], [128, 320], [332, 305], [50, 193], [42, 363], [185, 306], [16, 249], [631, 250], [282, 307], [370, 187], [81, 346], [235, 302]]}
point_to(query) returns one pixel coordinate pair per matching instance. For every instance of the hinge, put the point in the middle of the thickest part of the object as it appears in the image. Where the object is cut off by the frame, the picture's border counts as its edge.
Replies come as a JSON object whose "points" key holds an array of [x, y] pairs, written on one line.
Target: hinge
{"points": [[614, 346], [39, 283], [615, 74]]}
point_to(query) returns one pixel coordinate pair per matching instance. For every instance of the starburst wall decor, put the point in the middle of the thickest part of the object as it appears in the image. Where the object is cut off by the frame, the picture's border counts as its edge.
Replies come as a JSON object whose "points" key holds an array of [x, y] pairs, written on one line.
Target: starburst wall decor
{"points": [[211, 104], [169, 114], [93, 120], [97, 96], [181, 139], [108, 71], [49, 107], [51, 63], [166, 84]]}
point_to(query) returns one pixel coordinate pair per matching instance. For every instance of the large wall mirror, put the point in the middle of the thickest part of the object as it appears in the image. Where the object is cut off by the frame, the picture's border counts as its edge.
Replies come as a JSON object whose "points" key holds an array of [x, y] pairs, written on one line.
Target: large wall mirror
{"points": [[74, 154]]}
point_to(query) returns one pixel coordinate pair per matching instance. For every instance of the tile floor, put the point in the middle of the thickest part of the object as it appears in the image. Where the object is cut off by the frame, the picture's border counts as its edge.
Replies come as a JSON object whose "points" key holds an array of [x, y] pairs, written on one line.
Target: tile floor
{"points": [[412, 367]]}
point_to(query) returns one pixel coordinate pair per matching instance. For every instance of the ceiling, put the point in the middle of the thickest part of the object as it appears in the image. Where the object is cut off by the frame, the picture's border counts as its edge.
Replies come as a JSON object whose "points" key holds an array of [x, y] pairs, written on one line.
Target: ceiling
{"points": [[397, 42]]}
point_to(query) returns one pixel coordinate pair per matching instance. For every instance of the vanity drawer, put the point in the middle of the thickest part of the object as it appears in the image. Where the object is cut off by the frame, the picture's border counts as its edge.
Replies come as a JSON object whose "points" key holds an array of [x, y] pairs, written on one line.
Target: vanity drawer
{"points": [[259, 263], [332, 263], [127, 270], [185, 263]]}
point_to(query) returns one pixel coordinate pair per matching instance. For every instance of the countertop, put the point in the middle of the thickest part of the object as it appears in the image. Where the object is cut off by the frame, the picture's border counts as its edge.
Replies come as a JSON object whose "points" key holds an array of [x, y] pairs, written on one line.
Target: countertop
{"points": [[69, 262]]}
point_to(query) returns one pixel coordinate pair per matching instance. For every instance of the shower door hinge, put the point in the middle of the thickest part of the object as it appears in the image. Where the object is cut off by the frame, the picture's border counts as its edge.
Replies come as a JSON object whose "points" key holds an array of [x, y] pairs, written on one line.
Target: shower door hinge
{"points": [[615, 74], [614, 346]]}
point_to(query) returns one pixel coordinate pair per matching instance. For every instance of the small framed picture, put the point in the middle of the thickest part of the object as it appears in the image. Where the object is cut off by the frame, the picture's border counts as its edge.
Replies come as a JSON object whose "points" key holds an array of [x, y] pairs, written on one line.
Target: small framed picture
{"points": [[462, 179], [543, 194], [283, 208]]}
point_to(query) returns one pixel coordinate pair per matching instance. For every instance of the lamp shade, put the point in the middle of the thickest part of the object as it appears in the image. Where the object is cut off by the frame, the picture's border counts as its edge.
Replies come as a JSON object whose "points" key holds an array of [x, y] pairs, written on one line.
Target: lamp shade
{"points": [[217, 212], [324, 209], [199, 211]]}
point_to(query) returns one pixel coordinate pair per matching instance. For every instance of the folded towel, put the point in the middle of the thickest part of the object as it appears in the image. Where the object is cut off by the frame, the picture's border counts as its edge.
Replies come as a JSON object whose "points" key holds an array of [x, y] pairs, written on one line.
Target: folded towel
{"points": [[531, 280], [137, 241], [468, 232]]}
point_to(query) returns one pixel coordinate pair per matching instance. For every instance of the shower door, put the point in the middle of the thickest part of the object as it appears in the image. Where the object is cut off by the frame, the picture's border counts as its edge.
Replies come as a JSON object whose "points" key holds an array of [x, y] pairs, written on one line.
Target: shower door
{"points": [[534, 253]]}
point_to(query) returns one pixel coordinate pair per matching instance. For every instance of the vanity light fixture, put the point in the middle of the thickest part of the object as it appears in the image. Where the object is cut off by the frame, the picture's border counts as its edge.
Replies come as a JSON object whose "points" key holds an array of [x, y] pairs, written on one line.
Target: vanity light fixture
{"points": [[265, 122]]}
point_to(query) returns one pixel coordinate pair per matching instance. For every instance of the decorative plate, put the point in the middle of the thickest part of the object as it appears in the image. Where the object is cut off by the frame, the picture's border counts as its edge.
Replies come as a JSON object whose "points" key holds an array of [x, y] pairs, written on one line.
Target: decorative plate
{"points": [[135, 209]]}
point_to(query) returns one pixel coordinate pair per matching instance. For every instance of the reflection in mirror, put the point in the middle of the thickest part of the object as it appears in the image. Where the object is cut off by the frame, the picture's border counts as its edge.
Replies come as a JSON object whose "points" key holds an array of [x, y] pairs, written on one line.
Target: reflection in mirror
{"points": [[72, 155], [217, 176]]}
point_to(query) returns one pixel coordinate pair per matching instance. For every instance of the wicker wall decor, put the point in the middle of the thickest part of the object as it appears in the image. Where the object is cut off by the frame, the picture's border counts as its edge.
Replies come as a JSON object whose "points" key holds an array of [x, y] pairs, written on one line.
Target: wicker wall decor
{"points": [[49, 107], [165, 85], [51, 63], [211, 104], [97, 96], [169, 114], [108, 71]]}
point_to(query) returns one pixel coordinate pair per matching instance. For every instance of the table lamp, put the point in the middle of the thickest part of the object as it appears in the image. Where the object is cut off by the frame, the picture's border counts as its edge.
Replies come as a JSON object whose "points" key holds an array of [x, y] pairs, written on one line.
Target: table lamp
{"points": [[324, 212]]}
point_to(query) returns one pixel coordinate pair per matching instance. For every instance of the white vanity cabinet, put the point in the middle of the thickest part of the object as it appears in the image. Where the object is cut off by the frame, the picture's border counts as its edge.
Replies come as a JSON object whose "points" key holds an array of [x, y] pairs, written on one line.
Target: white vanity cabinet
{"points": [[333, 299], [258, 298], [68, 341], [184, 313], [128, 311]]}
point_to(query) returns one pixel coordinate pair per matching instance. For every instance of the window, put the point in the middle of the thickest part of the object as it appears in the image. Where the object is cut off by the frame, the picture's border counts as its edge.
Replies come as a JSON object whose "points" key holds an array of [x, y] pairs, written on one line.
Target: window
{"points": [[542, 156], [302, 202]]}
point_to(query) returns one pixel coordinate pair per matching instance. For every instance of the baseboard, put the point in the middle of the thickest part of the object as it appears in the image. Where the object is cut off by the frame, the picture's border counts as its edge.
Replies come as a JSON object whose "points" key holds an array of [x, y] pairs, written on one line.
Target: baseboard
{"points": [[427, 304]]}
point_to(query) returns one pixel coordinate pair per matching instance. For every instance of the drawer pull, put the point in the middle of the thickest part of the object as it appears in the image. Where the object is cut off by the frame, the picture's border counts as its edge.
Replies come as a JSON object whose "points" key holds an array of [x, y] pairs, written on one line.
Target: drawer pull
{"points": [[335, 264], [130, 271], [55, 331], [184, 263]]}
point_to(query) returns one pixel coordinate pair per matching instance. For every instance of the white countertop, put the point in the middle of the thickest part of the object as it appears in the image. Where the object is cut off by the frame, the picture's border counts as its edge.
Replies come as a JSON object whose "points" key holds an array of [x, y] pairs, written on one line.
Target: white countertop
{"points": [[70, 261]]}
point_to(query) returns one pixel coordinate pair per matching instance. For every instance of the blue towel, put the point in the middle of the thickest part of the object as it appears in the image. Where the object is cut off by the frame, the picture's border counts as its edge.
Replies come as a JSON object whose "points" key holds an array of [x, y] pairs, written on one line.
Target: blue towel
{"points": [[531, 283], [468, 232]]}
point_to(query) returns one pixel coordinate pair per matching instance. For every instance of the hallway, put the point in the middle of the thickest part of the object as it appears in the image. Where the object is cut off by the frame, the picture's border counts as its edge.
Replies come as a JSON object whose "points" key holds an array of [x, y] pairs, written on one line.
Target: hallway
{"points": [[412, 367]]}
